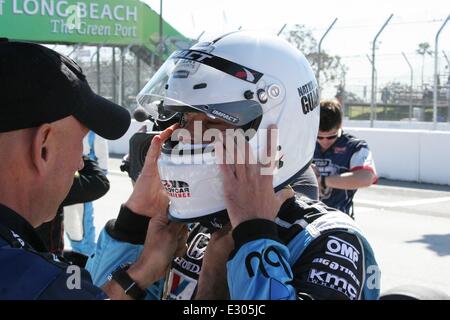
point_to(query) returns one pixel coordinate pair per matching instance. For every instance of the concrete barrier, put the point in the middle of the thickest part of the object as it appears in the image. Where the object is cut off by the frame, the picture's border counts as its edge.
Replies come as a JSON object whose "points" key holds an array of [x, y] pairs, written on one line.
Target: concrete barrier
{"points": [[406, 125], [121, 146], [409, 155], [435, 157]]}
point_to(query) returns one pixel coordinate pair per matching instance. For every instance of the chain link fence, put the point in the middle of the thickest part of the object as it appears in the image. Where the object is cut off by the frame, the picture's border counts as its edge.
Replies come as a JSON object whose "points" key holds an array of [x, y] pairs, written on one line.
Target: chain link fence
{"points": [[104, 76]]}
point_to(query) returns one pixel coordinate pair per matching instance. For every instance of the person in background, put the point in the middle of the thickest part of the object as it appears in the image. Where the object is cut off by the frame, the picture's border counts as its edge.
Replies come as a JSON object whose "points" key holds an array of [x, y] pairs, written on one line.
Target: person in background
{"points": [[343, 163], [79, 218], [89, 184]]}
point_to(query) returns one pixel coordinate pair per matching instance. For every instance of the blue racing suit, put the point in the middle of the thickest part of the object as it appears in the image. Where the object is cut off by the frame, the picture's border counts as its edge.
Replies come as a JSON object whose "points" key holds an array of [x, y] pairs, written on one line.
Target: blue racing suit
{"points": [[309, 252]]}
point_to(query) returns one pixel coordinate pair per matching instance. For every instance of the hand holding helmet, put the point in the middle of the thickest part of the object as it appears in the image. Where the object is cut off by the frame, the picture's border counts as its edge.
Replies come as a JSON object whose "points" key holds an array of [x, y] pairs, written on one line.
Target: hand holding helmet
{"points": [[248, 188], [247, 81], [164, 241], [149, 197]]}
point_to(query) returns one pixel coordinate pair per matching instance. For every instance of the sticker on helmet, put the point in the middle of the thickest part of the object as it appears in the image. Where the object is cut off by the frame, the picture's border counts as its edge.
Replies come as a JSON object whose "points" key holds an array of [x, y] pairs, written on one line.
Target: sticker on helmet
{"points": [[225, 116], [219, 63], [245, 74], [309, 96], [176, 189]]}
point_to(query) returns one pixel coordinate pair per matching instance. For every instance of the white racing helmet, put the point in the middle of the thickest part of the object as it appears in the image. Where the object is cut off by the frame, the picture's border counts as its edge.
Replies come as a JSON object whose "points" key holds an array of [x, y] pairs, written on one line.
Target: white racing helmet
{"points": [[248, 80]]}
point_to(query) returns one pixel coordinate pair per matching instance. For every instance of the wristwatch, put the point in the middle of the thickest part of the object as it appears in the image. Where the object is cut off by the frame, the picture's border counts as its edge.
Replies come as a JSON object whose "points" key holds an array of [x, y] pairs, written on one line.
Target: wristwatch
{"points": [[131, 288]]}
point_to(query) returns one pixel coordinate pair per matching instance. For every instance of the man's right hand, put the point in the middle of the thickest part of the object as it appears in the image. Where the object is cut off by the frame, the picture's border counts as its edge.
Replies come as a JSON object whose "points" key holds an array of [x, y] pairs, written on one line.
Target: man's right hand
{"points": [[165, 240], [149, 197]]}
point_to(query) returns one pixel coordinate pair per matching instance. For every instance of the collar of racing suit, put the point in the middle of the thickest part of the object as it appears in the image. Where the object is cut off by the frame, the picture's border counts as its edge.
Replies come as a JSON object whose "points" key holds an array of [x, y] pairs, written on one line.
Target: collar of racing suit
{"points": [[12, 221]]}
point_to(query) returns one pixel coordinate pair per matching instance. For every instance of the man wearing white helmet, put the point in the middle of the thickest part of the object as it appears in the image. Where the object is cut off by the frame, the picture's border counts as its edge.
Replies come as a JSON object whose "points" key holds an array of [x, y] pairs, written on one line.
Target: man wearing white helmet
{"points": [[285, 247]]}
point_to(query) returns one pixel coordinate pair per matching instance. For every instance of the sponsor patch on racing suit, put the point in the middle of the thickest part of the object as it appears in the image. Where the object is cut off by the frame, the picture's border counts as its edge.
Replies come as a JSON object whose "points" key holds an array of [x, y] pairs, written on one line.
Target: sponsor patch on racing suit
{"points": [[315, 252]]}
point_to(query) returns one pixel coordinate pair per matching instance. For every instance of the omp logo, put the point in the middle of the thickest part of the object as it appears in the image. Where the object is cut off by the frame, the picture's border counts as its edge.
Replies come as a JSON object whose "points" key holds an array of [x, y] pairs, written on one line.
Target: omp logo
{"points": [[333, 281], [197, 247], [176, 189], [342, 249]]}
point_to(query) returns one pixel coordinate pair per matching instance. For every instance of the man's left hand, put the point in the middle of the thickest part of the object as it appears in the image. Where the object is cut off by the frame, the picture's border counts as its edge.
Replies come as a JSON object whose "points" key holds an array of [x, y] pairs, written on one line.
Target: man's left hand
{"points": [[149, 197], [248, 185]]}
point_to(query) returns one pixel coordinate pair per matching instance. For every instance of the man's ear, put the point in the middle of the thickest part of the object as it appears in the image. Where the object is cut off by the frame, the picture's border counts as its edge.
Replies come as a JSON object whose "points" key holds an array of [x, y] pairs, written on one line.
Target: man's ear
{"points": [[40, 146]]}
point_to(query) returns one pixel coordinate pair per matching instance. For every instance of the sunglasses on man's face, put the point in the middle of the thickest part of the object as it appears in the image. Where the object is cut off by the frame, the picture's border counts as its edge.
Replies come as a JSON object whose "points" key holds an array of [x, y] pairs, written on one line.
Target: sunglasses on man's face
{"points": [[334, 136]]}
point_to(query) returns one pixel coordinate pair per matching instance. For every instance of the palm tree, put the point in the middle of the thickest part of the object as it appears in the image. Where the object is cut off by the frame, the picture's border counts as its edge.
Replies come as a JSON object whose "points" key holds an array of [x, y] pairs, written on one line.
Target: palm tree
{"points": [[423, 50]]}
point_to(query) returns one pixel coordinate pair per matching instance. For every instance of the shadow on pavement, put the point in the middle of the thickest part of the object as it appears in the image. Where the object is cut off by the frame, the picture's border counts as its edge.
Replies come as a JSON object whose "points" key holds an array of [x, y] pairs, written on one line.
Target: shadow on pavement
{"points": [[439, 243]]}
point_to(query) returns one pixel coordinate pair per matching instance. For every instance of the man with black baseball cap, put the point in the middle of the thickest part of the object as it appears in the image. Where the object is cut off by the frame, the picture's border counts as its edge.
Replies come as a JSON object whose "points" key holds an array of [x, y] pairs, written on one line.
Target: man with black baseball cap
{"points": [[46, 109], [41, 86]]}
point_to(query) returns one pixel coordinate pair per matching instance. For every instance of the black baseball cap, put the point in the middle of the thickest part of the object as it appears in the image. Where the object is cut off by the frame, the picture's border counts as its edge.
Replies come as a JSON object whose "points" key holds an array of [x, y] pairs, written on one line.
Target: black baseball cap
{"points": [[39, 85]]}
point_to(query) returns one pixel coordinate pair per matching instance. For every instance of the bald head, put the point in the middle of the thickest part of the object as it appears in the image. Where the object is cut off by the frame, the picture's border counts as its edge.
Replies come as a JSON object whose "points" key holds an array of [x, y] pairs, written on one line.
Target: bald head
{"points": [[39, 165]]}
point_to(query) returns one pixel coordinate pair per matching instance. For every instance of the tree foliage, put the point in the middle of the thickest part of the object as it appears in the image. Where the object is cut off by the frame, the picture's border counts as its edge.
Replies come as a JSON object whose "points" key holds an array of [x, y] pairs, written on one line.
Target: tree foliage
{"points": [[424, 50], [332, 66]]}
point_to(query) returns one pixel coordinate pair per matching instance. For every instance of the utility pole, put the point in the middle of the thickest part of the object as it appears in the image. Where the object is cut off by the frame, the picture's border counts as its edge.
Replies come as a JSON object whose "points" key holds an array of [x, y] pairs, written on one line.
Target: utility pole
{"points": [[410, 84], [281, 30], [98, 70], [114, 78], [376, 72], [121, 99], [373, 113], [435, 89], [161, 41], [319, 53], [200, 35]]}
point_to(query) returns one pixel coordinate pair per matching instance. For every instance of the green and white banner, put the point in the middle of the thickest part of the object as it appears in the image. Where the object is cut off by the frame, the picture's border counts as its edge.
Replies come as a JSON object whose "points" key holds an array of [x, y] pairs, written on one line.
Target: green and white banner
{"points": [[103, 22]]}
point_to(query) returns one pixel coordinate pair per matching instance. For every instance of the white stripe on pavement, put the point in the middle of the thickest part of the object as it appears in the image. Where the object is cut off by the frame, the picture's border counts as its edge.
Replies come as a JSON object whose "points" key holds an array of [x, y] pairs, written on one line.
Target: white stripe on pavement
{"points": [[406, 203], [381, 187]]}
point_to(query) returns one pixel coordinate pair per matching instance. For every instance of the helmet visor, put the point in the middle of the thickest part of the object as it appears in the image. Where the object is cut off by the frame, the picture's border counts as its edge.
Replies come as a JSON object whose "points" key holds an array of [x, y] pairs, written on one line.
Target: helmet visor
{"points": [[163, 102]]}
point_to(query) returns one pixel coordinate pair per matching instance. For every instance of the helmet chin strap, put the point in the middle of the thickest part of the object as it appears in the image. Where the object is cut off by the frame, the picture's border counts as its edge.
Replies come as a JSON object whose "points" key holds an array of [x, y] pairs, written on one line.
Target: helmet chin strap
{"points": [[183, 120]]}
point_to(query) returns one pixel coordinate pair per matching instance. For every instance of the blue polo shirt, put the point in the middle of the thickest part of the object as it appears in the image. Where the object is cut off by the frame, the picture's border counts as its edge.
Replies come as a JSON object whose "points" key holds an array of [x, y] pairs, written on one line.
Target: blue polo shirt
{"points": [[29, 272], [347, 154]]}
